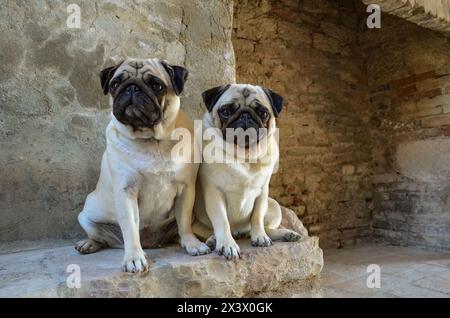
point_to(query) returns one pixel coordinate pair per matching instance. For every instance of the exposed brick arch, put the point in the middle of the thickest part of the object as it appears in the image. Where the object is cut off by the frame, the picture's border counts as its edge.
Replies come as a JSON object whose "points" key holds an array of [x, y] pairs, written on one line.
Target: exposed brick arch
{"points": [[431, 14]]}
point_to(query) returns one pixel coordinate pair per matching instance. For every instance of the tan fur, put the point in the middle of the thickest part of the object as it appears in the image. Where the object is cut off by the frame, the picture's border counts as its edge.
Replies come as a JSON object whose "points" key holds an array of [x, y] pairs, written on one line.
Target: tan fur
{"points": [[233, 198], [141, 188]]}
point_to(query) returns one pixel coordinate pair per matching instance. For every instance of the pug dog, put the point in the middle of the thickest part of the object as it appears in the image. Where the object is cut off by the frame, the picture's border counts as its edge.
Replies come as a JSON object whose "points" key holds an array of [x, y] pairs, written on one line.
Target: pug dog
{"points": [[233, 197], [143, 197]]}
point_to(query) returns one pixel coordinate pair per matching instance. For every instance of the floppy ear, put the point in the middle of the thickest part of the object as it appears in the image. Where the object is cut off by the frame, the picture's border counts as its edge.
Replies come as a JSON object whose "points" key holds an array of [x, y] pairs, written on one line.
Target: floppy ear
{"points": [[276, 101], [106, 75], [212, 95], [178, 76]]}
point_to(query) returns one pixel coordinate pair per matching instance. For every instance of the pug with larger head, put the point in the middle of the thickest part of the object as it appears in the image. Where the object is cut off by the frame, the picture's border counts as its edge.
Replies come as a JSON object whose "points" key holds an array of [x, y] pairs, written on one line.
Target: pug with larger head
{"points": [[233, 197], [142, 193]]}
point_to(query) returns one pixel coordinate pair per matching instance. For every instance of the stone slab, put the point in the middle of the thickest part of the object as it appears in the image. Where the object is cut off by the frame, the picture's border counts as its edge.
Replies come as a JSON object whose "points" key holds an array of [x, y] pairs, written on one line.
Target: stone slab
{"points": [[43, 272]]}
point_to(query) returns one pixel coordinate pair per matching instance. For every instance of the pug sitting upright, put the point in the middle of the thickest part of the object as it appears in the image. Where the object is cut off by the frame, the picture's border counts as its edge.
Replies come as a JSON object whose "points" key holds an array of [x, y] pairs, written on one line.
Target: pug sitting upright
{"points": [[233, 196], [142, 193]]}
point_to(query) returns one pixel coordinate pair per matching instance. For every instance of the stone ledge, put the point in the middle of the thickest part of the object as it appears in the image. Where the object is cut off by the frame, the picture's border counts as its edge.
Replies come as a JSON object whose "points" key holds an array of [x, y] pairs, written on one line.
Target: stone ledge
{"points": [[42, 272]]}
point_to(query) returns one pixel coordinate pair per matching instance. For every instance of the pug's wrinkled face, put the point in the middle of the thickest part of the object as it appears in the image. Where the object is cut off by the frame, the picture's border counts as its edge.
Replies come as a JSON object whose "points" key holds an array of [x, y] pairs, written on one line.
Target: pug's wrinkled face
{"points": [[140, 88], [244, 113]]}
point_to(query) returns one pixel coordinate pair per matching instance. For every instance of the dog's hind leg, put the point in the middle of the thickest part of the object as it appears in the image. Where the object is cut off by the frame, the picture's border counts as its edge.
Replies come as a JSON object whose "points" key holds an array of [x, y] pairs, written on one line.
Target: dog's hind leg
{"points": [[241, 232], [272, 223], [100, 235]]}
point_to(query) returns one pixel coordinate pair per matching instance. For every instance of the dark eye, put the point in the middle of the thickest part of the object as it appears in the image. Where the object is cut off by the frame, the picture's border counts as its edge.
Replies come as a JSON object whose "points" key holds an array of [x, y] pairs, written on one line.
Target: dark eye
{"points": [[114, 85], [263, 114], [157, 87], [225, 111]]}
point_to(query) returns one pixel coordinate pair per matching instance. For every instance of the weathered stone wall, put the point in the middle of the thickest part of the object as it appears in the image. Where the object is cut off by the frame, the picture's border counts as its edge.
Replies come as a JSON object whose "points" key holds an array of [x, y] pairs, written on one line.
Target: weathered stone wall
{"points": [[408, 71], [308, 51], [52, 110]]}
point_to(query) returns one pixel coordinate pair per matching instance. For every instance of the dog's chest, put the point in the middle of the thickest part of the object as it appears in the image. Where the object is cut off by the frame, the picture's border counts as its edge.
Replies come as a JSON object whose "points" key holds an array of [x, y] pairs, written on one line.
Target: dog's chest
{"points": [[243, 176], [158, 178], [156, 198], [155, 160], [242, 187]]}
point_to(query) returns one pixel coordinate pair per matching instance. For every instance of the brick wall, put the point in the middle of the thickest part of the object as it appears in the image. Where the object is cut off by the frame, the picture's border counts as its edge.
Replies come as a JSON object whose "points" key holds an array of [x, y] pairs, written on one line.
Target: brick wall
{"points": [[308, 51], [364, 135], [409, 82]]}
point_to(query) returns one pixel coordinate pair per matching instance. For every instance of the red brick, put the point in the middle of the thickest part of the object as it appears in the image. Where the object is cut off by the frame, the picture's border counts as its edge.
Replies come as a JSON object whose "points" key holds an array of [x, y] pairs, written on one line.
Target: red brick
{"points": [[407, 91], [431, 93], [412, 79], [424, 76], [428, 84], [290, 189], [402, 82], [446, 130]]}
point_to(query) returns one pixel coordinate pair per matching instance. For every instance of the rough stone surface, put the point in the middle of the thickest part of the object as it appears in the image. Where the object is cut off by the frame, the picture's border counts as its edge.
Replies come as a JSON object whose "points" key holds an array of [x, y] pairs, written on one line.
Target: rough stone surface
{"points": [[173, 273], [52, 110], [308, 51]]}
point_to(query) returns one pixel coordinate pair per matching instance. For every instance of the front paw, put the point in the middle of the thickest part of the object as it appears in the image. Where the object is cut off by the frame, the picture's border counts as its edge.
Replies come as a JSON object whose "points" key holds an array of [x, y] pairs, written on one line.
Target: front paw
{"points": [[261, 240], [193, 246], [135, 262], [228, 248]]}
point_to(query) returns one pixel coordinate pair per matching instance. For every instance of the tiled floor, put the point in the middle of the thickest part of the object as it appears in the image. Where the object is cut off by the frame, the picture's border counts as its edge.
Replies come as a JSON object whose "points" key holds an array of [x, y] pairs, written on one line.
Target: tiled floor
{"points": [[404, 272]]}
